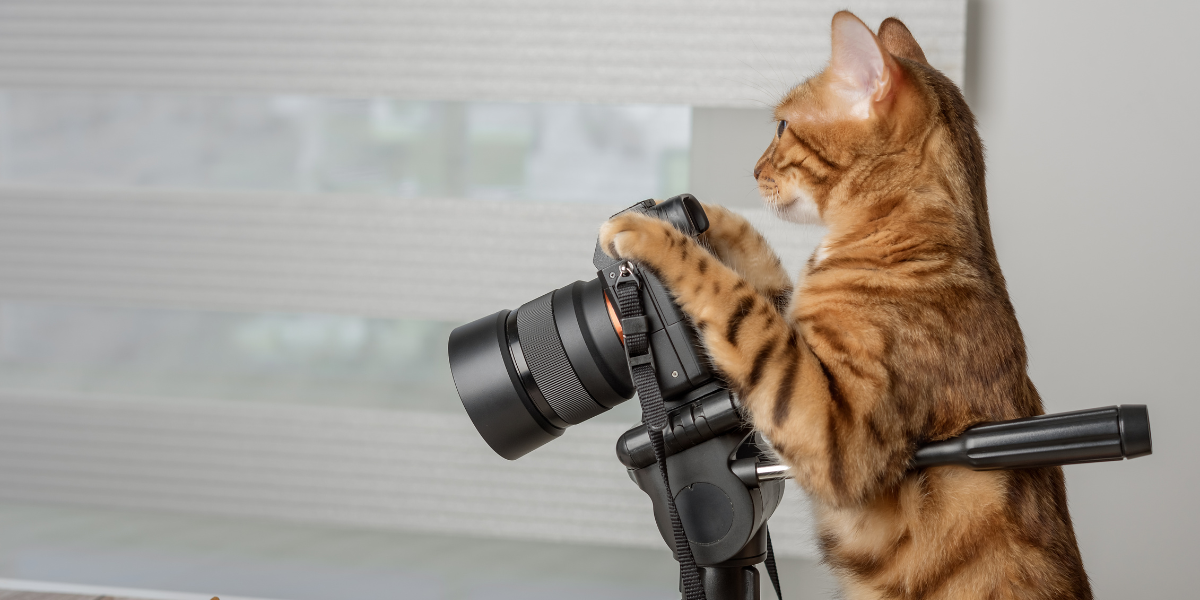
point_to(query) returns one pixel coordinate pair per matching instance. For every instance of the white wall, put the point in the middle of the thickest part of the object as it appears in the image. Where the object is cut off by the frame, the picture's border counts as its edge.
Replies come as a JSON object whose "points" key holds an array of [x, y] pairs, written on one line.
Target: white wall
{"points": [[1088, 113]]}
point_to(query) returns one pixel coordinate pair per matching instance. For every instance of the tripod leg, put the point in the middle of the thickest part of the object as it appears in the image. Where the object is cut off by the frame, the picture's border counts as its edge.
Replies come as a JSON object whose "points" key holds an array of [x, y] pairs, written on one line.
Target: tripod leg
{"points": [[729, 583]]}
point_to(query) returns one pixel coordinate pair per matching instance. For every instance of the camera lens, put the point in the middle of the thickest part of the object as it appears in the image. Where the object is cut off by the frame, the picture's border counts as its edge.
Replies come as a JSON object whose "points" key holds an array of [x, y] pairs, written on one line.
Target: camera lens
{"points": [[526, 375]]}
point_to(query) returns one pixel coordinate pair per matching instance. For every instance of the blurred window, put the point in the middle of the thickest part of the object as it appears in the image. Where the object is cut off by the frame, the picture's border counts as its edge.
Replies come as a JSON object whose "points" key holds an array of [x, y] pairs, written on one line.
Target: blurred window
{"points": [[483, 151], [552, 152]]}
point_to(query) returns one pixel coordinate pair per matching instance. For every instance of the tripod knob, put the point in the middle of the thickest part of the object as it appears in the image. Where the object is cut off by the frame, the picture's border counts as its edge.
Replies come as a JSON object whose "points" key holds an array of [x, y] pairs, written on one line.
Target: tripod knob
{"points": [[772, 472], [752, 472]]}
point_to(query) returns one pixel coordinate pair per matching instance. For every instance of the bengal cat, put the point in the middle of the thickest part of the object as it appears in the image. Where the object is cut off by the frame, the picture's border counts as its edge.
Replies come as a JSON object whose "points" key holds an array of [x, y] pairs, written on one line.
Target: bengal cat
{"points": [[900, 331]]}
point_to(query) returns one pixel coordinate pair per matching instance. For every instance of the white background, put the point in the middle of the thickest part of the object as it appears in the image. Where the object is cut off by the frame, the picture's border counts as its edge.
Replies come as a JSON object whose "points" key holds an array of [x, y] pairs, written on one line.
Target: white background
{"points": [[1087, 111]]}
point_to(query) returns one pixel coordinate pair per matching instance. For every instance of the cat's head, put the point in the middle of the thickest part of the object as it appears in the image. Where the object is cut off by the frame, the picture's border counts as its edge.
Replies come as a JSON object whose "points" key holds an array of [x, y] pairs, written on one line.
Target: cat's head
{"points": [[846, 124]]}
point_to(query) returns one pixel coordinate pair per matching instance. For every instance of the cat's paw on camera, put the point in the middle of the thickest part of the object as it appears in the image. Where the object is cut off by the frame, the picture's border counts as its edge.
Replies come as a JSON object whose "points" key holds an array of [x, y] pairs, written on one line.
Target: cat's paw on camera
{"points": [[635, 236]]}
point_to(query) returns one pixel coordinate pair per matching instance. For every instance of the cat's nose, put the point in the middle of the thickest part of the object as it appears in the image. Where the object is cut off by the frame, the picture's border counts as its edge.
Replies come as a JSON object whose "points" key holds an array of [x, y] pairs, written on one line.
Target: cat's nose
{"points": [[757, 170]]}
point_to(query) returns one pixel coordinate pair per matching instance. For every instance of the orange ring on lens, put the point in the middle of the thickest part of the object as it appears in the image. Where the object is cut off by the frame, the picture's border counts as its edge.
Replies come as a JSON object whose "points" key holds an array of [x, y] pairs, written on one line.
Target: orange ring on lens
{"points": [[616, 321]]}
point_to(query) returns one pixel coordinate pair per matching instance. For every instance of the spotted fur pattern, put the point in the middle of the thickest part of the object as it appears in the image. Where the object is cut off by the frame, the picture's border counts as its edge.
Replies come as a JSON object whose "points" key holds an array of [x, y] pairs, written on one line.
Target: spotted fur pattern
{"points": [[899, 331]]}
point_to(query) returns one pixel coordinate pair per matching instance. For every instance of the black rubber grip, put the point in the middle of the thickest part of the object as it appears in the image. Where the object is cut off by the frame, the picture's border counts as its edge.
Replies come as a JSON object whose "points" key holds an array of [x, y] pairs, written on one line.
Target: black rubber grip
{"points": [[690, 425], [1093, 435], [548, 362]]}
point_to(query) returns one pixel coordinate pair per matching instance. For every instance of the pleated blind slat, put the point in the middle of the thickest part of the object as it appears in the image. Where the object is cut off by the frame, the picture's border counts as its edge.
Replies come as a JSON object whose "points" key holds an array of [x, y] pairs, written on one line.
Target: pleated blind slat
{"points": [[734, 54], [365, 468], [452, 260]]}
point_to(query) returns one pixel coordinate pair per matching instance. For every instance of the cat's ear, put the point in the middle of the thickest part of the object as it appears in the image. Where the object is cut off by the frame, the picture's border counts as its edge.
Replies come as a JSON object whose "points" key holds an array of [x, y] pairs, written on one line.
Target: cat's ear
{"points": [[867, 72], [899, 41]]}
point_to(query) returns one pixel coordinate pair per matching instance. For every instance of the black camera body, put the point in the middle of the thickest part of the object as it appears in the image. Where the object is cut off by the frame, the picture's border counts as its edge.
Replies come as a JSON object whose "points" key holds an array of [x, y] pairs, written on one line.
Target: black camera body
{"points": [[680, 364]]}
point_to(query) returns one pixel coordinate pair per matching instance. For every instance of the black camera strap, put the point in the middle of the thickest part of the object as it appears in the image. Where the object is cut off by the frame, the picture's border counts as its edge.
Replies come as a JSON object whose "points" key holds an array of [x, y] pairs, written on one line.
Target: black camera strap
{"points": [[772, 569], [636, 330]]}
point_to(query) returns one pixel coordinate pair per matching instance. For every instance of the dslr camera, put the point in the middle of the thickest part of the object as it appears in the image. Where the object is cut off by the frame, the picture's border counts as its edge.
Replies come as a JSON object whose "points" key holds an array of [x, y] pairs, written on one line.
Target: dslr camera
{"points": [[525, 375]]}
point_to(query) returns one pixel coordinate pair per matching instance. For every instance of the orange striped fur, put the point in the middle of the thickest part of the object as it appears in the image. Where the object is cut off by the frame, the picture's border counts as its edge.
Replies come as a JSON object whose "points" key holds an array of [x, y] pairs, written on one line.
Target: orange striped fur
{"points": [[899, 331]]}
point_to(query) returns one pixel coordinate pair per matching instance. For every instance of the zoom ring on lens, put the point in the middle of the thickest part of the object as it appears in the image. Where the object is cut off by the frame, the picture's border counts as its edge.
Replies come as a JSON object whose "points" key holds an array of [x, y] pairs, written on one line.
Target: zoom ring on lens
{"points": [[548, 363]]}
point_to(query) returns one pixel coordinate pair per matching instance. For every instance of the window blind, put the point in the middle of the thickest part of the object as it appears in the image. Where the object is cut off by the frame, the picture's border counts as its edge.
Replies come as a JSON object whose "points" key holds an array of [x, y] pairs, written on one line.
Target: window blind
{"points": [[355, 254]]}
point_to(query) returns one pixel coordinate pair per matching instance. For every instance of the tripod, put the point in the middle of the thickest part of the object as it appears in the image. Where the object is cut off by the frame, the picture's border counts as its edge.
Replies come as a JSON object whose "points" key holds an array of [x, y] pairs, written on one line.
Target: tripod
{"points": [[727, 485]]}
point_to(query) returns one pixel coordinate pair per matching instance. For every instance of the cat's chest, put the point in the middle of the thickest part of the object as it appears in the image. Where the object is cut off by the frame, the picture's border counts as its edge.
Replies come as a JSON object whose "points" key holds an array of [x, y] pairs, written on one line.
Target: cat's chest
{"points": [[819, 254]]}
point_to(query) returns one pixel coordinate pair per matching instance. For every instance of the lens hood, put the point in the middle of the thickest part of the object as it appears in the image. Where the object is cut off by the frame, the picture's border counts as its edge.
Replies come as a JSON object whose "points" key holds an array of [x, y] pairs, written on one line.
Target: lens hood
{"points": [[491, 391]]}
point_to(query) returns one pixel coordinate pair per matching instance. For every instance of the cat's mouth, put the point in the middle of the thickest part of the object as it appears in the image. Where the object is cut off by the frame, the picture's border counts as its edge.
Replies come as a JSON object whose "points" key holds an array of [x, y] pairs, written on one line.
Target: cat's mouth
{"points": [[799, 208], [769, 190]]}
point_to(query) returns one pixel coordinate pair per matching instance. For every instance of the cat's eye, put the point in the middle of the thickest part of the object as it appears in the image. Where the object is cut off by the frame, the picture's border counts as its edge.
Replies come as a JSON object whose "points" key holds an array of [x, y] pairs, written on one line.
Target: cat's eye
{"points": [[782, 126]]}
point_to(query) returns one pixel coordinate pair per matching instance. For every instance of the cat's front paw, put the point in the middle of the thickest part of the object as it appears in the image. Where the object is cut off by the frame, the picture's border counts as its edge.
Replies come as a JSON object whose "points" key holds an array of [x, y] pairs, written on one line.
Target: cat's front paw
{"points": [[633, 236]]}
